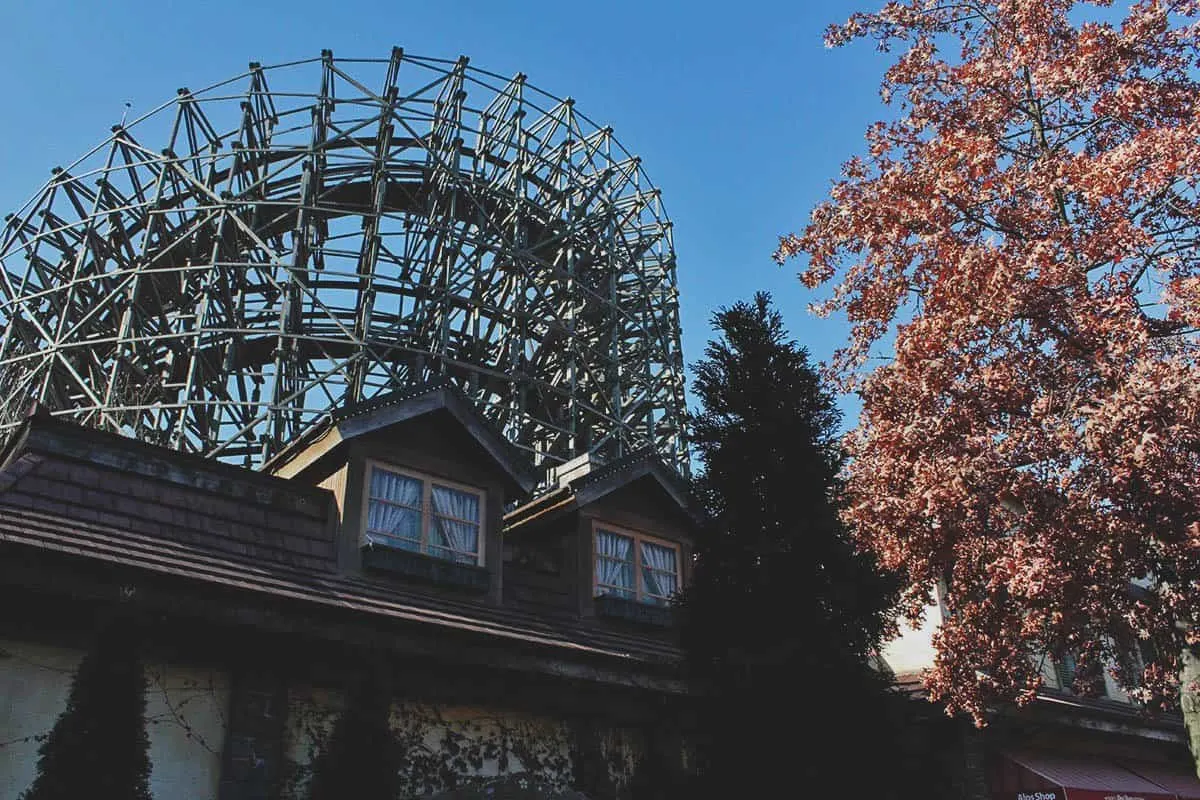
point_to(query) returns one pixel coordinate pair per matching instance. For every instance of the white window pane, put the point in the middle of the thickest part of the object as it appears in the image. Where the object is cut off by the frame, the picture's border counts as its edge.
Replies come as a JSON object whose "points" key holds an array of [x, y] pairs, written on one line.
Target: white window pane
{"points": [[458, 541], [450, 555], [449, 527], [412, 545], [614, 546], [393, 521], [614, 564], [614, 577], [659, 557], [454, 503], [659, 570], [395, 488]]}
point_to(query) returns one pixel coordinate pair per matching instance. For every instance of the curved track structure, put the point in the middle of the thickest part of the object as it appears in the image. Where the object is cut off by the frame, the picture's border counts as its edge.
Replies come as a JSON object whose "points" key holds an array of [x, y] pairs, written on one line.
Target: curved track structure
{"points": [[224, 271]]}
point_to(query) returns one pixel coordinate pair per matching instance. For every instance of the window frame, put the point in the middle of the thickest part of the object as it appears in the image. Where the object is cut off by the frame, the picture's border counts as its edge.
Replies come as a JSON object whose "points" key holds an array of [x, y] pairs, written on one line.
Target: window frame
{"points": [[1065, 675], [1064, 672], [640, 595], [427, 480]]}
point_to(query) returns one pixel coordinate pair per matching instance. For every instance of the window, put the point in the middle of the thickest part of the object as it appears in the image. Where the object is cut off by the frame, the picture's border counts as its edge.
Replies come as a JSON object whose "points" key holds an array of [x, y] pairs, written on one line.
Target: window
{"points": [[1064, 671], [635, 567], [423, 515], [1089, 675]]}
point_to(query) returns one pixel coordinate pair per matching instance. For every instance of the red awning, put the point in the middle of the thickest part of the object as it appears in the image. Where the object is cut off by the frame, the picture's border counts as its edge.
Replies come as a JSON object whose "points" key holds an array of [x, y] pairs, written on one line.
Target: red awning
{"points": [[1052, 776], [1174, 778]]}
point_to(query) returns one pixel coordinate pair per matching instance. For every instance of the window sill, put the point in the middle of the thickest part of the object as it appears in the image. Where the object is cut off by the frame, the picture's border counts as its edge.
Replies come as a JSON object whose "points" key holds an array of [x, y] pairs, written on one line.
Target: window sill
{"points": [[613, 607], [428, 569]]}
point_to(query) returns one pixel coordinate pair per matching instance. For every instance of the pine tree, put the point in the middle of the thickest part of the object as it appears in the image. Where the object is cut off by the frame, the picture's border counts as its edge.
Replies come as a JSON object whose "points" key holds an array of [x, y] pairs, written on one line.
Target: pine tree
{"points": [[590, 767], [98, 747], [659, 773], [783, 613], [360, 760]]}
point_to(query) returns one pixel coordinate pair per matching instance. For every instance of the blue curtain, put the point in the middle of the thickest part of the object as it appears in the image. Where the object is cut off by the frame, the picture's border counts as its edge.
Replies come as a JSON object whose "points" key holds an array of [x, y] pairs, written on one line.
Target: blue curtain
{"points": [[394, 510], [614, 564], [659, 571], [455, 531]]}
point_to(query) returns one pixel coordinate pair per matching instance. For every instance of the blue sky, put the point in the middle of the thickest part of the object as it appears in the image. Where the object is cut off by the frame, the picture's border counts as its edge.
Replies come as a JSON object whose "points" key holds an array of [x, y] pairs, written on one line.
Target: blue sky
{"points": [[739, 112]]}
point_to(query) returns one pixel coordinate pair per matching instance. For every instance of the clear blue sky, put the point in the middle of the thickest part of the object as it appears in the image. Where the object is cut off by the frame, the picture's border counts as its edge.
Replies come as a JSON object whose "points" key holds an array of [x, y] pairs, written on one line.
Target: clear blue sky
{"points": [[741, 115]]}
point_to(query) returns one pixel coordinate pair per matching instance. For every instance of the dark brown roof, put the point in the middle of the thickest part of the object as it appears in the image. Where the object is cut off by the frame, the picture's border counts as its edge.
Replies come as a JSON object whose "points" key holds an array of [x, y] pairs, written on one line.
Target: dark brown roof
{"points": [[640, 462], [440, 394], [643, 464], [274, 539], [33, 528]]}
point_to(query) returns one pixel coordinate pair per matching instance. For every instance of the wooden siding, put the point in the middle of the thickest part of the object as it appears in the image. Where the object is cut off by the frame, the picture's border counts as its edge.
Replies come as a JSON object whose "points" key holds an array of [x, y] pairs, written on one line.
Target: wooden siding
{"points": [[536, 591]]}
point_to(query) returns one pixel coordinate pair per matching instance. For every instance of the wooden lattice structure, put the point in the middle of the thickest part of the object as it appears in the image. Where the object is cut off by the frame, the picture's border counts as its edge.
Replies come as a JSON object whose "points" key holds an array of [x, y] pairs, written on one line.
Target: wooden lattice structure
{"points": [[224, 271]]}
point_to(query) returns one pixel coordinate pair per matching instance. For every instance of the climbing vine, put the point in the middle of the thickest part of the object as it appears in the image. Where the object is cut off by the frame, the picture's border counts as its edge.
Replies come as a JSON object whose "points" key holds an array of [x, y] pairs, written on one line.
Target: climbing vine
{"points": [[172, 695], [446, 748]]}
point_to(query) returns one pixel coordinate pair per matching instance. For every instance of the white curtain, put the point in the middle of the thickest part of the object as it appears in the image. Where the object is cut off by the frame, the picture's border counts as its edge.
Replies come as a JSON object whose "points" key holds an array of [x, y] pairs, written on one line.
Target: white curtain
{"points": [[457, 538], [614, 564], [394, 510], [659, 570]]}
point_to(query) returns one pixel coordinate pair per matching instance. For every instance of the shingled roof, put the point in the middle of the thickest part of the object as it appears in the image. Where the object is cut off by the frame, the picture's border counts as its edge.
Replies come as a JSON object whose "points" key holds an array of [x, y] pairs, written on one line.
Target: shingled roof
{"points": [[122, 504], [603, 479], [402, 405]]}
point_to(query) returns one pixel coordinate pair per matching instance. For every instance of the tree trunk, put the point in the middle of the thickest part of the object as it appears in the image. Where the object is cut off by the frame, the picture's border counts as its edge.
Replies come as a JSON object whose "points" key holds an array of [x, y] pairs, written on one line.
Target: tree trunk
{"points": [[1191, 702]]}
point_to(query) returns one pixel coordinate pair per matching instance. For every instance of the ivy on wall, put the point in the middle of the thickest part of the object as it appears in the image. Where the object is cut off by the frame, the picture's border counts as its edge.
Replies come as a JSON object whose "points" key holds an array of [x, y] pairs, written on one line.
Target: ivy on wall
{"points": [[445, 748], [460, 749], [178, 695], [175, 698]]}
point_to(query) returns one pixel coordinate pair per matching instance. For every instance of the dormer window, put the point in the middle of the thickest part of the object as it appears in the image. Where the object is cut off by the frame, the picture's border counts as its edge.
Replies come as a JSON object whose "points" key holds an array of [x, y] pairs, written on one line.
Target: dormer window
{"points": [[423, 514], [633, 566]]}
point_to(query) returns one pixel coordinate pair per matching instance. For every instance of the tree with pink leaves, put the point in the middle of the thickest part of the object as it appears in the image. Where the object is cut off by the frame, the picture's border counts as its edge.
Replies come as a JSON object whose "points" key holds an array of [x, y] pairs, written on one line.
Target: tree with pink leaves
{"points": [[1022, 239]]}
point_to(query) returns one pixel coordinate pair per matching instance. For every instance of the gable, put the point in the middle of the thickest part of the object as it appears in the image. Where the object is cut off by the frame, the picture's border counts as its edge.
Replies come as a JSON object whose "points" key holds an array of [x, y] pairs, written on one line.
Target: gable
{"points": [[642, 503], [434, 417]]}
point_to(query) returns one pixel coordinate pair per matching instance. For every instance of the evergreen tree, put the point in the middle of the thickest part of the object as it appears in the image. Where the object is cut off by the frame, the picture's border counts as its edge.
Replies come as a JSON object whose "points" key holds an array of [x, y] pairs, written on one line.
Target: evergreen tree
{"points": [[590, 768], [361, 759], [659, 773], [98, 747], [783, 613]]}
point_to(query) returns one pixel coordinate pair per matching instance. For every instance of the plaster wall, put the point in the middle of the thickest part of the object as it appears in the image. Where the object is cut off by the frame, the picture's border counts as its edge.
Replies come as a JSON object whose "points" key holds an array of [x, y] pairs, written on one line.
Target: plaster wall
{"points": [[185, 719]]}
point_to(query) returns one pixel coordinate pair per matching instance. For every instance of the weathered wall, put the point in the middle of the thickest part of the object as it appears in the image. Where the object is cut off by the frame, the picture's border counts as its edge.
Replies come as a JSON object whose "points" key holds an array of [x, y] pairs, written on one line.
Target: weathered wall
{"points": [[448, 746], [186, 712], [185, 715]]}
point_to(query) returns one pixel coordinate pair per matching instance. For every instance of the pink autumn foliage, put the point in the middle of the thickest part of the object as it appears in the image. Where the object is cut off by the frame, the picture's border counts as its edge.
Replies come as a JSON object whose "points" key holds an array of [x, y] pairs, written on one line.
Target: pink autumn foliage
{"points": [[1023, 238]]}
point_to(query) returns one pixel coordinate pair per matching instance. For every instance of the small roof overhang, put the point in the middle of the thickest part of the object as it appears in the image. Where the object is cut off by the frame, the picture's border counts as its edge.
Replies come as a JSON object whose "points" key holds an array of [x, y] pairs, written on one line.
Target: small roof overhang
{"points": [[643, 465], [1172, 777], [394, 408], [1039, 775]]}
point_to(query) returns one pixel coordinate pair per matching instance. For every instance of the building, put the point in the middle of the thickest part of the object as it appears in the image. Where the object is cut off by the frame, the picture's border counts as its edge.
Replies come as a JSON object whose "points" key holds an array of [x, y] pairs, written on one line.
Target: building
{"points": [[525, 637], [1061, 747]]}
